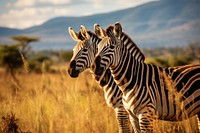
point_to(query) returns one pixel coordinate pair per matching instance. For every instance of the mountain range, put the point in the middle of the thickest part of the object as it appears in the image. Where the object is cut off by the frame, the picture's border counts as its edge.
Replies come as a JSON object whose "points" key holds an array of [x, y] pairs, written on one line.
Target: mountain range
{"points": [[164, 23]]}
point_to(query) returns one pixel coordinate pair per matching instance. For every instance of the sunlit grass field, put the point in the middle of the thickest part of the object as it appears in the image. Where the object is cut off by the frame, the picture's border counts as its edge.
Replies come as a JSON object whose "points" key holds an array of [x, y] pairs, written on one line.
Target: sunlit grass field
{"points": [[57, 103]]}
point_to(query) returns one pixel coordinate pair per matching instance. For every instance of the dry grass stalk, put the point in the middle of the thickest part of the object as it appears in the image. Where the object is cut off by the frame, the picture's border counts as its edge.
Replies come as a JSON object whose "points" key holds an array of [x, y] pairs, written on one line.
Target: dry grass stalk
{"points": [[25, 63]]}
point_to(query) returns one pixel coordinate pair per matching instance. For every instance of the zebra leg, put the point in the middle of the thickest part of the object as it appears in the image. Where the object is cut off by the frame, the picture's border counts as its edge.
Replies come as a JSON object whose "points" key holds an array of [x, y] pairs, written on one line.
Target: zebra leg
{"points": [[123, 120], [198, 120], [135, 123], [146, 123]]}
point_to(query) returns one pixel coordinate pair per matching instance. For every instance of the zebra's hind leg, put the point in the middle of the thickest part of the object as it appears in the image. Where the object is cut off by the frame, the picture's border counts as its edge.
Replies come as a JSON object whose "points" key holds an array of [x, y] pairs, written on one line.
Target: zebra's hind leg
{"points": [[123, 120], [198, 120]]}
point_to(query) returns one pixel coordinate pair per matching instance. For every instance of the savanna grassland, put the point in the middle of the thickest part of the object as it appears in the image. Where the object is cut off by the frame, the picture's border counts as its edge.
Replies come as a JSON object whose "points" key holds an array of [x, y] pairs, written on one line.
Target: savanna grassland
{"points": [[48, 100], [56, 103]]}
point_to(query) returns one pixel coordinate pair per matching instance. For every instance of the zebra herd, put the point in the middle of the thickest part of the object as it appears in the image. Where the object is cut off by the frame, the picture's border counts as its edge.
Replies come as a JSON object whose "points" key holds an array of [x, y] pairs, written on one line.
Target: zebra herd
{"points": [[138, 92]]}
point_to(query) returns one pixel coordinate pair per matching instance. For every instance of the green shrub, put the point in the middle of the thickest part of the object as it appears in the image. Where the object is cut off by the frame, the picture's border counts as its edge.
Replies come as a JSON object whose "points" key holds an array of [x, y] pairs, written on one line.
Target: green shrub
{"points": [[40, 63], [157, 61], [180, 60], [66, 55], [10, 57]]}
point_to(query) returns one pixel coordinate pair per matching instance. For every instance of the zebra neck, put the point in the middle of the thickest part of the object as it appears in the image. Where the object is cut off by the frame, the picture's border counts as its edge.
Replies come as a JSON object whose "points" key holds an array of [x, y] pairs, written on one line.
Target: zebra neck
{"points": [[128, 72], [105, 80]]}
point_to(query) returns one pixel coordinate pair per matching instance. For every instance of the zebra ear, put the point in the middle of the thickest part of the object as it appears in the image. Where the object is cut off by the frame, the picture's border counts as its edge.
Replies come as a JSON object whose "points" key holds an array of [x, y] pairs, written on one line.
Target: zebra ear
{"points": [[73, 35], [84, 32], [99, 31], [117, 29]]}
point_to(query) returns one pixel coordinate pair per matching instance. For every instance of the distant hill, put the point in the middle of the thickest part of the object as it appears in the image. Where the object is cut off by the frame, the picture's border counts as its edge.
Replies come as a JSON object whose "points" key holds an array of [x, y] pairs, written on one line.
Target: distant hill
{"points": [[160, 23]]}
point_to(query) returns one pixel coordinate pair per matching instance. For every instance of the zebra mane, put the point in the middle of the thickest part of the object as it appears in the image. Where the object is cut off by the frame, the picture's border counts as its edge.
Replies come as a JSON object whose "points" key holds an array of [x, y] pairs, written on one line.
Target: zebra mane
{"points": [[128, 42]]}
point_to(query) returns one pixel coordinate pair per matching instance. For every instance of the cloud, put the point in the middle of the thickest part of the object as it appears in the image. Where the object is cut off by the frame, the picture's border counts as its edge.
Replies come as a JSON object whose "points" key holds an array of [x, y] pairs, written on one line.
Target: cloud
{"points": [[131, 3], [97, 4], [27, 17], [30, 3], [26, 13], [24, 3], [56, 2]]}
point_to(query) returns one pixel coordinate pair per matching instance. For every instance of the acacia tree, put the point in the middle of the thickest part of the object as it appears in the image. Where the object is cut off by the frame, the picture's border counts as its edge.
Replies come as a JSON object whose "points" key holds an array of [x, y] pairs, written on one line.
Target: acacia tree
{"points": [[24, 41], [12, 56]]}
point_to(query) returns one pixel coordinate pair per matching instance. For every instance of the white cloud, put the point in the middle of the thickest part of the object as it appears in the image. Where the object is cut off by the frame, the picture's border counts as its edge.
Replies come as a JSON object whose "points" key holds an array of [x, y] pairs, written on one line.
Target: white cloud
{"points": [[56, 2], [21, 3], [28, 3], [31, 16], [25, 13], [24, 3], [97, 4], [131, 3], [110, 5]]}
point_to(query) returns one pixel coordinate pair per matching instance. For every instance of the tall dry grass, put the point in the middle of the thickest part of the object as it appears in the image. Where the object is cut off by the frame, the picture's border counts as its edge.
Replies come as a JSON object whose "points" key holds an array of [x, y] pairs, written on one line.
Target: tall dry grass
{"points": [[56, 103]]}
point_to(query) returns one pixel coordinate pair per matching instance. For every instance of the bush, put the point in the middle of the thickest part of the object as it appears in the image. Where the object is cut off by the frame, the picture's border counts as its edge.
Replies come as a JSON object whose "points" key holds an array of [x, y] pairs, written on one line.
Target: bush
{"points": [[40, 63], [10, 57], [66, 55], [157, 61], [180, 60]]}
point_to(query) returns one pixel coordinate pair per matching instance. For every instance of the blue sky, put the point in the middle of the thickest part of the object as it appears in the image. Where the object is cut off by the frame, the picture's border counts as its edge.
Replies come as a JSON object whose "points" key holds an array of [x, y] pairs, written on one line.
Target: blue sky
{"points": [[26, 13]]}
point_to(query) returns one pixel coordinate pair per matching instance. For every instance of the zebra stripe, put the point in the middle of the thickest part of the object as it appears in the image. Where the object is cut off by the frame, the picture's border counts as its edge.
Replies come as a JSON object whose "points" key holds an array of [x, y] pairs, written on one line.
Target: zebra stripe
{"points": [[150, 92], [83, 56]]}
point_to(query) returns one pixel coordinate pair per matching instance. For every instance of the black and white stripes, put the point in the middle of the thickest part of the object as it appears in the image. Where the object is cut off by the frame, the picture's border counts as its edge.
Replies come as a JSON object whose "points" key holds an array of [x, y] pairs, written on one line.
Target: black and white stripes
{"points": [[83, 55], [149, 92]]}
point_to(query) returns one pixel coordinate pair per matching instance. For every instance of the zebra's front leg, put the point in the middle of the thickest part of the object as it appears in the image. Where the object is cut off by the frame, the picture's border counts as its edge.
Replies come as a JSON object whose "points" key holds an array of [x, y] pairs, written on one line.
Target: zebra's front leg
{"points": [[198, 120], [123, 120], [146, 120], [135, 123]]}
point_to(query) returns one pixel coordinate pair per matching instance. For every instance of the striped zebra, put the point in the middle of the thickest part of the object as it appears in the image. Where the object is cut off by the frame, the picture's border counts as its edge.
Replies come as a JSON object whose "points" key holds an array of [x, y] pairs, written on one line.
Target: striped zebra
{"points": [[83, 56], [149, 92]]}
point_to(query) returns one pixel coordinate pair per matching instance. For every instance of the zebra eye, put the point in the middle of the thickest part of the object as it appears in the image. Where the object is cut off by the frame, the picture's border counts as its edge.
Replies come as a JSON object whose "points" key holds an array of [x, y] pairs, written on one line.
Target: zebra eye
{"points": [[112, 47]]}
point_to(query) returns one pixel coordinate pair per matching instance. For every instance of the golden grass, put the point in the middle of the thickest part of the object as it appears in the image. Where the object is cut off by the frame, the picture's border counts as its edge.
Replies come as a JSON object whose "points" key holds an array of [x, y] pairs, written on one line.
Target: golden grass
{"points": [[50, 103], [56, 103]]}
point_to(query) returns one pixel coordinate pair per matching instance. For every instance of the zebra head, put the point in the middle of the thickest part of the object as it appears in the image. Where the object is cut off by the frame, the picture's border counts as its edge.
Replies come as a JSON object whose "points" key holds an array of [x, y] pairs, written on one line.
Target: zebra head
{"points": [[109, 50], [83, 52]]}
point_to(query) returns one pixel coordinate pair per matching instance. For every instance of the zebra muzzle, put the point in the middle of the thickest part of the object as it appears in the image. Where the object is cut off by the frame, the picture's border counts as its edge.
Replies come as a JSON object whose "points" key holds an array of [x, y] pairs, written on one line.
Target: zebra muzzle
{"points": [[73, 73], [72, 69]]}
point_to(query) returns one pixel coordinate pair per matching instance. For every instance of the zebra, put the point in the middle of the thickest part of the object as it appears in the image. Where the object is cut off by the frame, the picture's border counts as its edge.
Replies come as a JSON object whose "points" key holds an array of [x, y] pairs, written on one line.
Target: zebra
{"points": [[83, 55], [149, 92]]}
